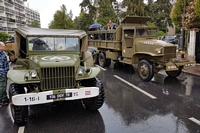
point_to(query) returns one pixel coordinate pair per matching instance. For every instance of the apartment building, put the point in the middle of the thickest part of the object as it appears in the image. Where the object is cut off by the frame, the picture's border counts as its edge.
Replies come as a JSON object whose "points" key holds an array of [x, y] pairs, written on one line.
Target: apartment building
{"points": [[13, 13]]}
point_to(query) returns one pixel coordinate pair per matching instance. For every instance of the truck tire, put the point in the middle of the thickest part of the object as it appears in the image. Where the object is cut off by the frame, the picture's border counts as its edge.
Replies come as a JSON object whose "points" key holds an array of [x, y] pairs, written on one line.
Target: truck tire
{"points": [[95, 58], [145, 70], [174, 73], [102, 60], [94, 103], [108, 62], [19, 113]]}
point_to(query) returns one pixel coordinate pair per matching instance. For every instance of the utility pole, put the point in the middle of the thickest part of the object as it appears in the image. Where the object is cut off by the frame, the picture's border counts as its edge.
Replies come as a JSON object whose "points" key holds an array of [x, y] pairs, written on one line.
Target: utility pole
{"points": [[183, 30]]}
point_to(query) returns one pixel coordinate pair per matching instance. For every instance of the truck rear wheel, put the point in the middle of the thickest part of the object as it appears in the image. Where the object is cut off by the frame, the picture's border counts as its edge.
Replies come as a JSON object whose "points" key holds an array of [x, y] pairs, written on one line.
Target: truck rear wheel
{"points": [[102, 60], [174, 73], [145, 70], [94, 103], [19, 113]]}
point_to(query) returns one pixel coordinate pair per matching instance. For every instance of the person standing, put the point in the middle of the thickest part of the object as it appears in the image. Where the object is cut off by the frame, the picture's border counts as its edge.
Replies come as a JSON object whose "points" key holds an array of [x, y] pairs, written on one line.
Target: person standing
{"points": [[3, 76]]}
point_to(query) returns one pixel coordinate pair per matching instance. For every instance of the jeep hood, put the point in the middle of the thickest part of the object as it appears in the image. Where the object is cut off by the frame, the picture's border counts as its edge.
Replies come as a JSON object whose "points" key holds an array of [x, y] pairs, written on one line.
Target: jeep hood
{"points": [[155, 42], [55, 60]]}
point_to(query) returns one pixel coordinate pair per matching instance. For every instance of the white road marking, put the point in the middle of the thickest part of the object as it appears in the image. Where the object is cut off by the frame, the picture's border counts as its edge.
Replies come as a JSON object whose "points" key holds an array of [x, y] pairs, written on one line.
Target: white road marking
{"points": [[194, 120], [137, 88], [21, 129], [100, 67]]}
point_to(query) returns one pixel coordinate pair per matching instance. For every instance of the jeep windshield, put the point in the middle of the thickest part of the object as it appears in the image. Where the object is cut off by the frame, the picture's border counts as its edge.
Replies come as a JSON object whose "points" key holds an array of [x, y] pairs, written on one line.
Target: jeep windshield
{"points": [[53, 44], [146, 31]]}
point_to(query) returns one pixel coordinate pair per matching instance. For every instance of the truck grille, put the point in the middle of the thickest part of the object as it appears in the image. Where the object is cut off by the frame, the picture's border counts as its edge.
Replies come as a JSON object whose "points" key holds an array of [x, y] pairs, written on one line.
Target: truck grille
{"points": [[57, 78], [169, 52]]}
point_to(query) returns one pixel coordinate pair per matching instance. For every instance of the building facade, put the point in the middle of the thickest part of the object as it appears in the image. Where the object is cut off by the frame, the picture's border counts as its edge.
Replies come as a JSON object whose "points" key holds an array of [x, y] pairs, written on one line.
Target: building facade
{"points": [[13, 13]]}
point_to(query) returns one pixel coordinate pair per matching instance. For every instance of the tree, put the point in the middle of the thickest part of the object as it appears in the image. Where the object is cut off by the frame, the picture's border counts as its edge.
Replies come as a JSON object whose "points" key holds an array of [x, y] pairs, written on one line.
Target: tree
{"points": [[192, 20], [35, 23], [135, 7], [177, 13], [4, 37], [197, 7], [106, 12], [83, 21], [161, 14], [88, 7], [62, 20]]}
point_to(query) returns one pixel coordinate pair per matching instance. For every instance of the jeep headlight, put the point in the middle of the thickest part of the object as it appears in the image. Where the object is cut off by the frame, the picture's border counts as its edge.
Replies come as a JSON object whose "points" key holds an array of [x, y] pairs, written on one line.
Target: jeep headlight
{"points": [[80, 72], [33, 74]]}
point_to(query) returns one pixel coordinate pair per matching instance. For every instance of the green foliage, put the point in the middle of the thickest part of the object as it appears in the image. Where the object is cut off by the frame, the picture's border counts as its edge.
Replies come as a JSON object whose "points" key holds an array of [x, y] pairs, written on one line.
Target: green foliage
{"points": [[135, 7], [197, 8], [83, 21], [106, 12], [62, 20], [35, 23], [150, 24], [87, 6], [4, 37], [161, 33]]}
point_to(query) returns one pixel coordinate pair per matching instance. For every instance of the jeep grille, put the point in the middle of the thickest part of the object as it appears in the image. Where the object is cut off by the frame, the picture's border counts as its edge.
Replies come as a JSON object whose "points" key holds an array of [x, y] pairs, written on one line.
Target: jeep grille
{"points": [[169, 52], [57, 78]]}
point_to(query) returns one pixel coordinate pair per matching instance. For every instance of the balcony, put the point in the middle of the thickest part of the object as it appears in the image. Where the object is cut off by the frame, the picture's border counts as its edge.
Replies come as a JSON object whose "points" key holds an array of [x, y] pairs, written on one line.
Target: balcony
{"points": [[10, 11], [2, 8], [10, 20], [9, 2], [2, 18]]}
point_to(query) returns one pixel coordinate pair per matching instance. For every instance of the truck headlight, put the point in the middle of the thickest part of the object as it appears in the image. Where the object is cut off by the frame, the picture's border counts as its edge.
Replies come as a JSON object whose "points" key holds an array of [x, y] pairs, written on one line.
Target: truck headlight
{"points": [[159, 51], [33, 74]]}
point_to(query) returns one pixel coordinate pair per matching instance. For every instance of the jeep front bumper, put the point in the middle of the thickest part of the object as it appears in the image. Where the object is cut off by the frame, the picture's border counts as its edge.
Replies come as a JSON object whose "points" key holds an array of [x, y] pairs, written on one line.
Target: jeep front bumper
{"points": [[54, 95]]}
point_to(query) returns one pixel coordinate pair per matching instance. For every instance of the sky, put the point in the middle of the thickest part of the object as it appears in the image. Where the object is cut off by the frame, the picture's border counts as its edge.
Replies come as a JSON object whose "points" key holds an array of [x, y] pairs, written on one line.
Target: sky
{"points": [[47, 8]]}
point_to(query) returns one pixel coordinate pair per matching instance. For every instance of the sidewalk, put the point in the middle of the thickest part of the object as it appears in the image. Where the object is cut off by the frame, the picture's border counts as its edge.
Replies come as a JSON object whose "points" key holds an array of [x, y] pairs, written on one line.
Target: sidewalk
{"points": [[194, 71]]}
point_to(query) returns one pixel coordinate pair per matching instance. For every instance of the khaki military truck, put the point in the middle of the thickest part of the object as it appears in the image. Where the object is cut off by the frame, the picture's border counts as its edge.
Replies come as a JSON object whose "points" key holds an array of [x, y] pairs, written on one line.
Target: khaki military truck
{"points": [[133, 42], [53, 65]]}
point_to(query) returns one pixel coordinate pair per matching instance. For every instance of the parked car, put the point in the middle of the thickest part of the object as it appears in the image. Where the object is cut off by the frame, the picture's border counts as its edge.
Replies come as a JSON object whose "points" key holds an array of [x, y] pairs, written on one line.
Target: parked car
{"points": [[170, 39]]}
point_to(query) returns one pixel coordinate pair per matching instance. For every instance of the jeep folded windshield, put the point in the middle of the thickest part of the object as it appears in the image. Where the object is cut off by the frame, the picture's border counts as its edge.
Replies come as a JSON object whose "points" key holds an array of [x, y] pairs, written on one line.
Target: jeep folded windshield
{"points": [[53, 44]]}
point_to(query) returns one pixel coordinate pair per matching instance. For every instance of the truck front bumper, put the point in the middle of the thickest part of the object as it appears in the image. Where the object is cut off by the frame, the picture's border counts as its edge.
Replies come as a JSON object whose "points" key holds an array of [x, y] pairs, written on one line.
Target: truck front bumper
{"points": [[170, 66], [54, 95]]}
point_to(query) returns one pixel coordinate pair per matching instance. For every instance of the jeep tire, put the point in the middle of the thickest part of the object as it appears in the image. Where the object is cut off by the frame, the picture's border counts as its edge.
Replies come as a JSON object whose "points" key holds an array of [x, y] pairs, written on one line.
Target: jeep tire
{"points": [[94, 103], [19, 113], [145, 70]]}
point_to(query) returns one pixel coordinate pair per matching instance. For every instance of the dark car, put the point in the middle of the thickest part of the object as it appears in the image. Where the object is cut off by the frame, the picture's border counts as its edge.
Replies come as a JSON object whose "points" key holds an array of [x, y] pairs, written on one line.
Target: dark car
{"points": [[170, 39]]}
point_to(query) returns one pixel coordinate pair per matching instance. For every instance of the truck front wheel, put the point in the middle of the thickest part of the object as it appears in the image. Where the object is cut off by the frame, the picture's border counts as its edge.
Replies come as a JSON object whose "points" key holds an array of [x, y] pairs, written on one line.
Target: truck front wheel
{"points": [[174, 73], [19, 113], [94, 103], [102, 59], [145, 70]]}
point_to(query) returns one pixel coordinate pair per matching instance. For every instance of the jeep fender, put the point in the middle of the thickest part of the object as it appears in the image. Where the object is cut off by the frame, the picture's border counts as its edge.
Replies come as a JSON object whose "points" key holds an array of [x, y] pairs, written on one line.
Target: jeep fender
{"points": [[18, 77], [93, 73]]}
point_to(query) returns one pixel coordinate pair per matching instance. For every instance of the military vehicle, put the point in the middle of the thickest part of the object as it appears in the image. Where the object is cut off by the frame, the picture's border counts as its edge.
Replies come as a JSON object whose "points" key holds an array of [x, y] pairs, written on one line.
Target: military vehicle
{"points": [[135, 43], [53, 65]]}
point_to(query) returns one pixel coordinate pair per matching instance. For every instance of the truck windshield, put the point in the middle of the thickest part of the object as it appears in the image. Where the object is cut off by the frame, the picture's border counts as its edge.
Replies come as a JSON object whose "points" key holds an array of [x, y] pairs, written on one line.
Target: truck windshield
{"points": [[146, 31], [53, 44]]}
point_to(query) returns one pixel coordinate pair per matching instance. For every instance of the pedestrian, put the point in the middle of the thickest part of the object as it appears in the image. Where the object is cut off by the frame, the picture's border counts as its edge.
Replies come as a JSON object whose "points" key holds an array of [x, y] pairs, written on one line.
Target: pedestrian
{"points": [[3, 76], [110, 24]]}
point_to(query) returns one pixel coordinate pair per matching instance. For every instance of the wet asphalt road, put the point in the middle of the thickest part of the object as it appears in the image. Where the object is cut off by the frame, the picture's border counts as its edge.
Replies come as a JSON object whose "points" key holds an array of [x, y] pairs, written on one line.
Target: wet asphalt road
{"points": [[163, 105]]}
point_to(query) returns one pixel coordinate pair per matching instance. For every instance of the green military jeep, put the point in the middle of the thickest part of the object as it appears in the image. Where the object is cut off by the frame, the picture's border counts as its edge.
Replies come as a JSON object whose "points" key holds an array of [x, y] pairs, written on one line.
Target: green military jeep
{"points": [[53, 65]]}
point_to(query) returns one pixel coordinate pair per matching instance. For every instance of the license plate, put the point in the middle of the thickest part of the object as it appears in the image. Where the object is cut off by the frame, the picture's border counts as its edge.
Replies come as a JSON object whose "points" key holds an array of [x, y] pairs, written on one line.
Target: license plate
{"points": [[59, 96]]}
